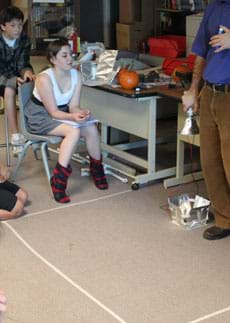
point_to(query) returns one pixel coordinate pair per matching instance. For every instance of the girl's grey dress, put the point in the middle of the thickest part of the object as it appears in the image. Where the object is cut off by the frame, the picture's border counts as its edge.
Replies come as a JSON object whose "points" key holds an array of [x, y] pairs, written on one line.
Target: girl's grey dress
{"points": [[38, 118]]}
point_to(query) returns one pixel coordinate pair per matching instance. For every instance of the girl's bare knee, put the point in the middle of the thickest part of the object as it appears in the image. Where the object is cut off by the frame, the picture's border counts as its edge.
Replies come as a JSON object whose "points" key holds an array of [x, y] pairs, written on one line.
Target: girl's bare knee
{"points": [[73, 135], [73, 132], [22, 196], [18, 209], [91, 131]]}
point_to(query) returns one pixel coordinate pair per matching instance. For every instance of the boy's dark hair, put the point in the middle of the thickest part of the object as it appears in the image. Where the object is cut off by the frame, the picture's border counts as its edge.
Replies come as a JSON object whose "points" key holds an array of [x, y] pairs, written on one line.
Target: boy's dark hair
{"points": [[54, 47], [9, 13]]}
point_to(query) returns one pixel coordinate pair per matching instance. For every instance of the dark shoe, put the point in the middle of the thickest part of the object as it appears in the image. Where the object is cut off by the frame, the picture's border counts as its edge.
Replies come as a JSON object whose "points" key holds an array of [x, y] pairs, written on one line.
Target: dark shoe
{"points": [[98, 174], [215, 233], [58, 183]]}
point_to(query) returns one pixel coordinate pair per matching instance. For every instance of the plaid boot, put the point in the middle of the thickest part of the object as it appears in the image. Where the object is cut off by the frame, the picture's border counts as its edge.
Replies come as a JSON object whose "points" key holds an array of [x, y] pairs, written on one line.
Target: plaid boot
{"points": [[98, 174], [59, 182]]}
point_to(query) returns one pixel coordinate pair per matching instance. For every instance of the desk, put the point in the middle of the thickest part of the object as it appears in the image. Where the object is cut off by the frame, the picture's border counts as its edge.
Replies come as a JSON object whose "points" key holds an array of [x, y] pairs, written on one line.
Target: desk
{"points": [[136, 114]]}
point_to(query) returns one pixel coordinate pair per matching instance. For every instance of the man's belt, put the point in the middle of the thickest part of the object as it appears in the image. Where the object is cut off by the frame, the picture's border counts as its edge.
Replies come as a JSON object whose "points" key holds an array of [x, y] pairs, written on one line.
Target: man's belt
{"points": [[218, 87]]}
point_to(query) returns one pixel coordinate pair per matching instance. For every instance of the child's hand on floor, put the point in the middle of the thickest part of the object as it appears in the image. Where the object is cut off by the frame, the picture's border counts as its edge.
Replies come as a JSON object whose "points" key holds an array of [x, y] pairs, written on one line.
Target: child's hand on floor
{"points": [[2, 302]]}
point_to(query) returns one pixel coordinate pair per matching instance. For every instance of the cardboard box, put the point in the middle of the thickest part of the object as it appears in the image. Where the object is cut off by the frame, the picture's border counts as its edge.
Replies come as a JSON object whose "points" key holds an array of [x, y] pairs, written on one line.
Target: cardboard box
{"points": [[130, 36], [22, 5], [131, 11]]}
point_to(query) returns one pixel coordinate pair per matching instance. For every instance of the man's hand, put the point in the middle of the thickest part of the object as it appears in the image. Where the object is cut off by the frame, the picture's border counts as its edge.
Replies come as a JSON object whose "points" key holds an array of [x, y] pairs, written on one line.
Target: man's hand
{"points": [[221, 41], [190, 98], [4, 173]]}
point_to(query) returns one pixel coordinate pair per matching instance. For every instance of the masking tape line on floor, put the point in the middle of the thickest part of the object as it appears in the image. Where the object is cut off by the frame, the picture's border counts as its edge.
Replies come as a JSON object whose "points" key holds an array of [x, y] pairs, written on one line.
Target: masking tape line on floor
{"points": [[62, 275]]}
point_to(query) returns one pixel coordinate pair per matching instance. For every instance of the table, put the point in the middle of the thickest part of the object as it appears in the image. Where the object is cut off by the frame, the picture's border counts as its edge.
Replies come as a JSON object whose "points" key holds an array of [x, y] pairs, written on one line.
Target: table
{"points": [[136, 114], [181, 177]]}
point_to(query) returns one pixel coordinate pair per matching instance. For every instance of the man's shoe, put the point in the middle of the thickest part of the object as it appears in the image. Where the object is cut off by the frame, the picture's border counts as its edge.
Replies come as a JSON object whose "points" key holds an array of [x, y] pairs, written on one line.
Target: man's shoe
{"points": [[215, 233]]}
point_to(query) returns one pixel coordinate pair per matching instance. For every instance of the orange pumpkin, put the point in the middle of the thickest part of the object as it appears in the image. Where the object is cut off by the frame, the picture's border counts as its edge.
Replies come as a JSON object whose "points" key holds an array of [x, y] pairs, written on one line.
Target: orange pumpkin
{"points": [[128, 79], [122, 70], [183, 69]]}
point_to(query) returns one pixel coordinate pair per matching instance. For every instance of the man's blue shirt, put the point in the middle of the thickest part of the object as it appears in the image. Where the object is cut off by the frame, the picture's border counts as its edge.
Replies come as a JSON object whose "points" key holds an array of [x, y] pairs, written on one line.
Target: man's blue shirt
{"points": [[217, 69]]}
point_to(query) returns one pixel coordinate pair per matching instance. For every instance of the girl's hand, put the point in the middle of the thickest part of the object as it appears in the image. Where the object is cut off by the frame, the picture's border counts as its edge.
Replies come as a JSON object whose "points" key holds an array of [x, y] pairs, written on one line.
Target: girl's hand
{"points": [[79, 116], [86, 113]]}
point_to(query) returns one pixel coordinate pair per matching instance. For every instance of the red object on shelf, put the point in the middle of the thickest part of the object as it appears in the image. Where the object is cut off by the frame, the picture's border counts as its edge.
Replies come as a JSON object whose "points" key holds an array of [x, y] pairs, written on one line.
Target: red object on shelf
{"points": [[169, 64], [73, 42], [167, 46]]}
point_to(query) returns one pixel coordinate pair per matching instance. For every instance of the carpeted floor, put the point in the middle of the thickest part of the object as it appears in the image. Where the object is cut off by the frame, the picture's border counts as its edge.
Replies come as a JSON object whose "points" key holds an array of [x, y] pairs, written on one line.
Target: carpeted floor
{"points": [[109, 256]]}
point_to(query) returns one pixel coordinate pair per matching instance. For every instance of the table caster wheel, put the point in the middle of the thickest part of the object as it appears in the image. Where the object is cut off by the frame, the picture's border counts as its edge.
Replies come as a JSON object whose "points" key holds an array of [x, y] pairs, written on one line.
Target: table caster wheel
{"points": [[135, 186]]}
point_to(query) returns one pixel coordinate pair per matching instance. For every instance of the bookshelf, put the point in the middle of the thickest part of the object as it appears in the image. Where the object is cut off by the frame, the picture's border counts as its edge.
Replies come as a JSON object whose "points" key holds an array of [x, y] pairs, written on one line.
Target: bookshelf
{"points": [[170, 15], [47, 19]]}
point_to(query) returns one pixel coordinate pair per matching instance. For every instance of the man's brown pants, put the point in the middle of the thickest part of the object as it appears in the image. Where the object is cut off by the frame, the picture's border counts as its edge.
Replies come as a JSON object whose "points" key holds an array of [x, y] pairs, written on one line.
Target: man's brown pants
{"points": [[215, 151]]}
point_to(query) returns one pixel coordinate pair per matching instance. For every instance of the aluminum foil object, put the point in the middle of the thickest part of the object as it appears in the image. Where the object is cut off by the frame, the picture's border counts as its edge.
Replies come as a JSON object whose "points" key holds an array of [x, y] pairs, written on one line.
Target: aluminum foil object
{"points": [[100, 72], [187, 212]]}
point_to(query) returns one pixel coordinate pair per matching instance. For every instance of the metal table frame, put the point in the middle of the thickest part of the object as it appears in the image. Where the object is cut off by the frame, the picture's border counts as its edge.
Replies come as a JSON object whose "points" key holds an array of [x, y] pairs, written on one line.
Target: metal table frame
{"points": [[134, 114]]}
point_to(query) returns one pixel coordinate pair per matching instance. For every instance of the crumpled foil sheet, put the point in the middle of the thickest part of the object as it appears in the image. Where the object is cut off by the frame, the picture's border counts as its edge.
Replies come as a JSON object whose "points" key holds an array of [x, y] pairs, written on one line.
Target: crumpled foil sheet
{"points": [[189, 212], [100, 73]]}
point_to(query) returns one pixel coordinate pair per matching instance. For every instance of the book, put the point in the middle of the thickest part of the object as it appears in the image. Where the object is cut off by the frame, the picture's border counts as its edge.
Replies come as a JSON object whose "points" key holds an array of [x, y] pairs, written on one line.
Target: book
{"points": [[75, 124]]}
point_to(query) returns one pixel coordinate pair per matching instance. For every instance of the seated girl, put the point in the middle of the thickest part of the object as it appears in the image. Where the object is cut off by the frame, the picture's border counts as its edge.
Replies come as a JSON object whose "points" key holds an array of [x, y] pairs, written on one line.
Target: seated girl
{"points": [[56, 97], [12, 197]]}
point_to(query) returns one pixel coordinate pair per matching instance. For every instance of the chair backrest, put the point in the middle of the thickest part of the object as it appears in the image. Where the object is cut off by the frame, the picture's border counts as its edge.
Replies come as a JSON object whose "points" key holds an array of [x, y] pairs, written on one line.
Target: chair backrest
{"points": [[24, 94]]}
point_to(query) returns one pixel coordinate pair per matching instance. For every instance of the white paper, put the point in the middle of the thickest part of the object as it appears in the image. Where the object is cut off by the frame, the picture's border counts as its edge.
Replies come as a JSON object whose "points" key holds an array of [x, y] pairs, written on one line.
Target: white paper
{"points": [[48, 1], [79, 124]]}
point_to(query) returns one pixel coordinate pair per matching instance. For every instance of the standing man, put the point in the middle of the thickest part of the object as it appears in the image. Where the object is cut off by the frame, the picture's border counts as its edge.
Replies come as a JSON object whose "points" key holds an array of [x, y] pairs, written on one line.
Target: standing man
{"points": [[212, 68]]}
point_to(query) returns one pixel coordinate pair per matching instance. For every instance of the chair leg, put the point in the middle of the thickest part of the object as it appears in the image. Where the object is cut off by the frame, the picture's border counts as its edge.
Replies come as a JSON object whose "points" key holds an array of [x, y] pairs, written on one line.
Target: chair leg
{"points": [[45, 160], [35, 152], [20, 159], [7, 140]]}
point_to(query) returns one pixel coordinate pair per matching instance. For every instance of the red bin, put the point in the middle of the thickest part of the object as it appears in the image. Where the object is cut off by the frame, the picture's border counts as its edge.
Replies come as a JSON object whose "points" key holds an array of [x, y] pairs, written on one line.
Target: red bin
{"points": [[167, 46]]}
